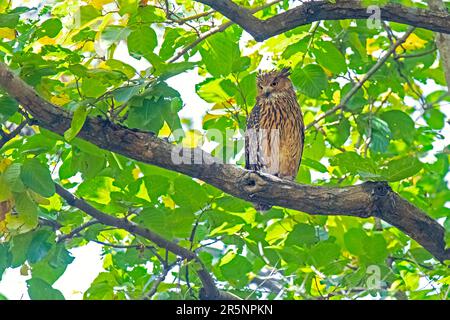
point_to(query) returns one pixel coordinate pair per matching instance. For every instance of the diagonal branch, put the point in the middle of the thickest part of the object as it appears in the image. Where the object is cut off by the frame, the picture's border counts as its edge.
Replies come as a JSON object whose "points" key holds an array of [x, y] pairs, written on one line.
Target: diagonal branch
{"points": [[312, 11], [209, 290], [8, 136], [123, 224], [366, 200], [363, 80]]}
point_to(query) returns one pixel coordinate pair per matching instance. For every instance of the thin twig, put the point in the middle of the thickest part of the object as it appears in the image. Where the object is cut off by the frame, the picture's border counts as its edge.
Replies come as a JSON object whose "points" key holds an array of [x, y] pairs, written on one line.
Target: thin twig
{"points": [[75, 232], [366, 77], [214, 31]]}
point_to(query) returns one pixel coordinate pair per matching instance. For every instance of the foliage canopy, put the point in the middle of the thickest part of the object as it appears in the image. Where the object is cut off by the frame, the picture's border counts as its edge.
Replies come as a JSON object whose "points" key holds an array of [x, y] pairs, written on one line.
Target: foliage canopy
{"points": [[391, 130]]}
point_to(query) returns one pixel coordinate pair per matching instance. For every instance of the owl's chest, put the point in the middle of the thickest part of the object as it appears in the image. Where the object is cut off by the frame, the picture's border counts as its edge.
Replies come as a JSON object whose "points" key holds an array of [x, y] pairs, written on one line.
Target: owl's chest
{"points": [[281, 114]]}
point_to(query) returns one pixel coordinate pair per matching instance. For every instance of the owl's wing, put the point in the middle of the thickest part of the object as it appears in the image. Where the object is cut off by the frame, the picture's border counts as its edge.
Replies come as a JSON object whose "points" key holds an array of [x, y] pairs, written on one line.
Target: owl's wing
{"points": [[302, 141], [252, 148]]}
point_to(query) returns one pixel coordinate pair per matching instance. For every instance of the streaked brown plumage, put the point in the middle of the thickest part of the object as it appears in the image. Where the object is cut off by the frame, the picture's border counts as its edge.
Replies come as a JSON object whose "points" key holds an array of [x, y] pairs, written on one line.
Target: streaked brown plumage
{"points": [[275, 131]]}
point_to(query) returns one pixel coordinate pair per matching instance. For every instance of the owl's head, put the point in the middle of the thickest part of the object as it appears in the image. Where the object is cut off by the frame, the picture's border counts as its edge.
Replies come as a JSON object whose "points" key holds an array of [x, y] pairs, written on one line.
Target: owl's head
{"points": [[274, 82]]}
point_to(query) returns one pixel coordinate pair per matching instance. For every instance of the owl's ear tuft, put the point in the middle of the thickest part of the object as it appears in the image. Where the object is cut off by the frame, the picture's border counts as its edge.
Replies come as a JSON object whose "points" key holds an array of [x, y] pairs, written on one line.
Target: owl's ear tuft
{"points": [[259, 75], [285, 72]]}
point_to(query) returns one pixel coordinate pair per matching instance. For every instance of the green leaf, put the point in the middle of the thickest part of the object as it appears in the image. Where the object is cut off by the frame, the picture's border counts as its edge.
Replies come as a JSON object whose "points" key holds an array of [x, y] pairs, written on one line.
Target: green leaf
{"points": [[88, 13], [357, 101], [165, 71], [8, 20], [189, 194], [328, 56], [314, 146], [375, 249], [5, 259], [12, 177], [78, 120], [377, 130], [156, 219], [93, 87], [221, 55], [8, 107], [49, 28], [351, 162], [123, 67], [102, 288], [434, 118], [236, 269], [19, 248], [39, 246], [400, 124], [156, 186], [302, 234], [339, 133], [324, 253], [311, 80], [211, 91], [27, 209], [316, 165], [124, 94], [354, 240], [37, 177], [142, 41], [403, 168], [53, 265], [148, 116], [147, 15], [5, 191], [39, 289]]}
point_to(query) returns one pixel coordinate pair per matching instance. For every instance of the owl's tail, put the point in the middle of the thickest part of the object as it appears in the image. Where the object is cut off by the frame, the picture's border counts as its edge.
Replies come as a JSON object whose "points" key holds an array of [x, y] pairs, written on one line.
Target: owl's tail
{"points": [[261, 207]]}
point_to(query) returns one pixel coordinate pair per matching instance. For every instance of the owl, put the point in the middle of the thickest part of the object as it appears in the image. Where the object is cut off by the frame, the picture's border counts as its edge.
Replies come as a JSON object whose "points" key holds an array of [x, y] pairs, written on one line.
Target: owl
{"points": [[275, 130]]}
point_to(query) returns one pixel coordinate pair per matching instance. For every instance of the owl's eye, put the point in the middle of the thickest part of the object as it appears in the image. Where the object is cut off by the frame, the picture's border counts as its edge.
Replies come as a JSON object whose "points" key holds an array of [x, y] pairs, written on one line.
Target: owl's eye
{"points": [[260, 87], [273, 84]]}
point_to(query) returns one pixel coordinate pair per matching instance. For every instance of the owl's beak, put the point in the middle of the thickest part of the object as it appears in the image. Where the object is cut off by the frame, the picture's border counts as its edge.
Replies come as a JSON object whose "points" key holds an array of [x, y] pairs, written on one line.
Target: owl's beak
{"points": [[266, 93]]}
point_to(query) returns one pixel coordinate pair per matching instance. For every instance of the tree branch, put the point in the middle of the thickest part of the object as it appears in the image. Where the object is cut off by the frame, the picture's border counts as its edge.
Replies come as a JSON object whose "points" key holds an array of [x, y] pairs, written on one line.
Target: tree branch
{"points": [[8, 136], [312, 11], [76, 231], [371, 199], [123, 224], [363, 80], [209, 290], [220, 28], [442, 41]]}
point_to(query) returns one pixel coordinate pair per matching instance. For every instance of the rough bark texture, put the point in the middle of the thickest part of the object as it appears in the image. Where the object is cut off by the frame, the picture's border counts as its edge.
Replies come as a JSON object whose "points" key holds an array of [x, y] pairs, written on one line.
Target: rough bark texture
{"points": [[312, 11], [365, 200], [442, 41]]}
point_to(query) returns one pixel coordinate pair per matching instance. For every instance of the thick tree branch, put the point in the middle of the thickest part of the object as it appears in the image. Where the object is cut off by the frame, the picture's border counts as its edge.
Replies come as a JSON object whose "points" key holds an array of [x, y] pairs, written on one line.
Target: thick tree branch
{"points": [[365, 200], [312, 11], [209, 290], [215, 30]]}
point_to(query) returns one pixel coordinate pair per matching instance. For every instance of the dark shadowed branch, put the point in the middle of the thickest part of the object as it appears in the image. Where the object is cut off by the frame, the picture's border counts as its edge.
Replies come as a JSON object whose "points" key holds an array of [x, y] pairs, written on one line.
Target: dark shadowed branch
{"points": [[312, 11], [215, 30]]}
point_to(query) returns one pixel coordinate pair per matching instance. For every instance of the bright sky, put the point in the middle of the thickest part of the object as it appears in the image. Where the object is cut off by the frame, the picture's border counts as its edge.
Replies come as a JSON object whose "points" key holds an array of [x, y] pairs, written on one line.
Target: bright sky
{"points": [[88, 261]]}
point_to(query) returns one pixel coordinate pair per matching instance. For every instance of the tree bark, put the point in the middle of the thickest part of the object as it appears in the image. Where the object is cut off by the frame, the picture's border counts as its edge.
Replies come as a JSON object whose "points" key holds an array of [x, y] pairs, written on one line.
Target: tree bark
{"points": [[371, 199], [312, 11], [442, 42]]}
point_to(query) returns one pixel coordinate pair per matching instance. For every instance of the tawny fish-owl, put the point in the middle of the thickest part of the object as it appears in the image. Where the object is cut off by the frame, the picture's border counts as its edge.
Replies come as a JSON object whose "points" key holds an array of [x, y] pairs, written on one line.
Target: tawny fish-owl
{"points": [[275, 130]]}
